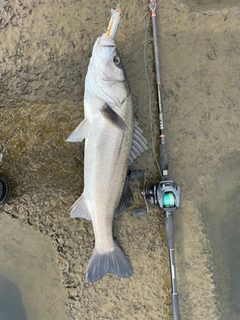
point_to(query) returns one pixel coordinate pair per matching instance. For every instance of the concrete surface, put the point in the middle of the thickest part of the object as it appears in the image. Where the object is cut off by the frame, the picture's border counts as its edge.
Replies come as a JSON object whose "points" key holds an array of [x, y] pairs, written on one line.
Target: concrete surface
{"points": [[46, 46]]}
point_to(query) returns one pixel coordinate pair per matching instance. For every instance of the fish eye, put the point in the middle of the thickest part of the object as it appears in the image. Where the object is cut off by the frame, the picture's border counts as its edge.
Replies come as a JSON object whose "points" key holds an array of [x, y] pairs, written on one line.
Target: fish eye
{"points": [[116, 60]]}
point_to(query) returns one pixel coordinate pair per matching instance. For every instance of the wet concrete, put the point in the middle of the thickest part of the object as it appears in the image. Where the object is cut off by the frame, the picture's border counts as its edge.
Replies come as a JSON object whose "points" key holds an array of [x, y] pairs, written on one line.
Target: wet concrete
{"points": [[221, 212], [30, 280], [11, 306], [45, 52], [201, 5]]}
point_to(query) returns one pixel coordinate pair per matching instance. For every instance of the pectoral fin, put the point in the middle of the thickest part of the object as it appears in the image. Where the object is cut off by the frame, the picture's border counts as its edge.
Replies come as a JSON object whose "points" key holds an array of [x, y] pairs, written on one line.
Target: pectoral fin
{"points": [[113, 117], [82, 131]]}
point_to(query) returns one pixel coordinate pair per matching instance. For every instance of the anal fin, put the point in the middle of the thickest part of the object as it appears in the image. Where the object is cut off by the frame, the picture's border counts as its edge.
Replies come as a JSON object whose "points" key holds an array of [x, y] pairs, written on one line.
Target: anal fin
{"points": [[126, 199], [79, 209]]}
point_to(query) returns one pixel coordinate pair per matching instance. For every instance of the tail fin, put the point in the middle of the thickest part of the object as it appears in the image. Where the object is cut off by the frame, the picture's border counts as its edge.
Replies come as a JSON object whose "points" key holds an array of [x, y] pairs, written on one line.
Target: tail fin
{"points": [[112, 262]]}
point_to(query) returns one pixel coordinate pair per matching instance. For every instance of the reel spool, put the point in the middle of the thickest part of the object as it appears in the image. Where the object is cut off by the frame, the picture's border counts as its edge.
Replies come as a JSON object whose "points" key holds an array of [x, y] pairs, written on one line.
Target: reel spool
{"points": [[169, 200], [168, 195]]}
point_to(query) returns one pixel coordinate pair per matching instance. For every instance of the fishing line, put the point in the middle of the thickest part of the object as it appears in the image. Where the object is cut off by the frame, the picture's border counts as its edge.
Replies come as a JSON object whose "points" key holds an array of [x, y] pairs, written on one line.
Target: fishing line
{"points": [[150, 97]]}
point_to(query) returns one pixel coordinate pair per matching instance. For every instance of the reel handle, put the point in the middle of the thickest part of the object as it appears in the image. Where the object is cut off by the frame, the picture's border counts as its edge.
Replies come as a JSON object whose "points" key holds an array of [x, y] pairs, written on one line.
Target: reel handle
{"points": [[136, 174], [138, 212]]}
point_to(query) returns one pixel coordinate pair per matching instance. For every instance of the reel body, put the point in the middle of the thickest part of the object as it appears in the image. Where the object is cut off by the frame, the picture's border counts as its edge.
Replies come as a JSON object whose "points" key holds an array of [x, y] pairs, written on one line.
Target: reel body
{"points": [[165, 194]]}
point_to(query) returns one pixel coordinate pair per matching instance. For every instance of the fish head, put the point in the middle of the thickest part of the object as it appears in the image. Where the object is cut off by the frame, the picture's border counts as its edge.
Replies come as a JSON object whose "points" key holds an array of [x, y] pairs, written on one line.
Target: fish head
{"points": [[107, 78]]}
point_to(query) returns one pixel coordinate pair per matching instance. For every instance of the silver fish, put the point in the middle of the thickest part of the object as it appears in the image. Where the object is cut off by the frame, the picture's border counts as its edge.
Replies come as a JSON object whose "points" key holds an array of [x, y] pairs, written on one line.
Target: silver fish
{"points": [[112, 141]]}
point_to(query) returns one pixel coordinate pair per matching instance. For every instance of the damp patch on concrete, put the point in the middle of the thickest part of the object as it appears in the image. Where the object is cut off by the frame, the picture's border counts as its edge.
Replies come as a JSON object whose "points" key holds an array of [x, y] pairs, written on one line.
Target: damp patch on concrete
{"points": [[204, 5], [194, 266], [221, 214], [30, 281], [11, 305]]}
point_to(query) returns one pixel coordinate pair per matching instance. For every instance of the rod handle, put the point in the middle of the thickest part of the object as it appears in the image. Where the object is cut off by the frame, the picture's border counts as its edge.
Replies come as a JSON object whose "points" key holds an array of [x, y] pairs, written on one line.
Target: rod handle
{"points": [[169, 228], [163, 156], [175, 306]]}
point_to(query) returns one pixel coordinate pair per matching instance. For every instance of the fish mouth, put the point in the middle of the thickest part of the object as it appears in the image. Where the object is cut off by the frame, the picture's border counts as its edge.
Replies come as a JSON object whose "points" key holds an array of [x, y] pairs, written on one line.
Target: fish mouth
{"points": [[108, 46], [105, 41], [118, 81]]}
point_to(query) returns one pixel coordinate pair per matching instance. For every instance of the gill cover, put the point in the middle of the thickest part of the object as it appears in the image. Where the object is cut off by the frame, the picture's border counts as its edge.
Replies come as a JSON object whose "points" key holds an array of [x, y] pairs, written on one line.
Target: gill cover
{"points": [[106, 78]]}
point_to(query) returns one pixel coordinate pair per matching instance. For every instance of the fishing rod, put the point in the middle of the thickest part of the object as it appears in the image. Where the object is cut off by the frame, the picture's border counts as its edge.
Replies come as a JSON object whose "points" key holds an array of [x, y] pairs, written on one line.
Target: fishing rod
{"points": [[164, 194]]}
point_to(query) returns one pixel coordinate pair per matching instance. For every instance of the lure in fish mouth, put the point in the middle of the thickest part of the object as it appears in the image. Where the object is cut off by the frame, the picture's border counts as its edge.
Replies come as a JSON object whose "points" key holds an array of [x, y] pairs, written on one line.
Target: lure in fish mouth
{"points": [[112, 141]]}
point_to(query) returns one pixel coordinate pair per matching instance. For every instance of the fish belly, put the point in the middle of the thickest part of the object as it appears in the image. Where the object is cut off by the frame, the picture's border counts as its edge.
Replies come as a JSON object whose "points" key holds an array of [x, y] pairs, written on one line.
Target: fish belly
{"points": [[105, 168]]}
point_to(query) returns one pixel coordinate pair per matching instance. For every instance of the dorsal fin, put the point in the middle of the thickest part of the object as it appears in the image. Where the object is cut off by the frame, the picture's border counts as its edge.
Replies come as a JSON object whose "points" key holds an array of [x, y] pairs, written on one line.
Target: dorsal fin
{"points": [[139, 143]]}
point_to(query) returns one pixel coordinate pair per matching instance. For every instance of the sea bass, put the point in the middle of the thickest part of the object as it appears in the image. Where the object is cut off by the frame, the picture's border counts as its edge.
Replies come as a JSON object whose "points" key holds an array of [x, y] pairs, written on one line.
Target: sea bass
{"points": [[112, 141]]}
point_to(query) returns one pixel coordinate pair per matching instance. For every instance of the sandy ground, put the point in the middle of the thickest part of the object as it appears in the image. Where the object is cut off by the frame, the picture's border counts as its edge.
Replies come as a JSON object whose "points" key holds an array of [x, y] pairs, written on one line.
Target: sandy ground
{"points": [[45, 48]]}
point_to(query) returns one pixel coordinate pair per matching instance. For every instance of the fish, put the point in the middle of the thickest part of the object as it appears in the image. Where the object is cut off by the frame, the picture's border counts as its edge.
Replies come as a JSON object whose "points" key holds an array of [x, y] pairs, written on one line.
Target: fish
{"points": [[113, 139]]}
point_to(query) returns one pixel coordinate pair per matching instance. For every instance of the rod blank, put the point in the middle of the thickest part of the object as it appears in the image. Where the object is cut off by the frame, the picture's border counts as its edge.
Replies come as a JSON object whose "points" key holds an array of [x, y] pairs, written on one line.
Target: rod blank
{"points": [[168, 219]]}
